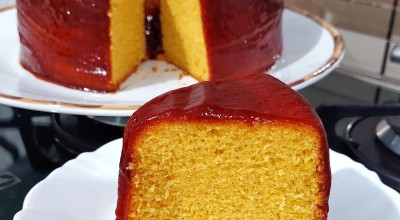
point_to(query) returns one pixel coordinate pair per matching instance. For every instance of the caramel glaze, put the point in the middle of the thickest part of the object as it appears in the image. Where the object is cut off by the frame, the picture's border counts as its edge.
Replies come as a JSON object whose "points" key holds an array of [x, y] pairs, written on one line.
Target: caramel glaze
{"points": [[66, 42], [242, 37], [256, 98]]}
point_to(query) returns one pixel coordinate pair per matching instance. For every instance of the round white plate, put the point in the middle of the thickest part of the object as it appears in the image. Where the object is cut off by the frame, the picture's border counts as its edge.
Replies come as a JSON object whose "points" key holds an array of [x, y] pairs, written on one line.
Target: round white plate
{"points": [[312, 49], [86, 188]]}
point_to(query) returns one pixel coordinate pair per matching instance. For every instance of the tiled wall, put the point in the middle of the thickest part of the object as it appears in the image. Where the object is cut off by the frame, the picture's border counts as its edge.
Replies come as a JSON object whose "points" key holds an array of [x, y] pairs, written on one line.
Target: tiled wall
{"points": [[364, 25]]}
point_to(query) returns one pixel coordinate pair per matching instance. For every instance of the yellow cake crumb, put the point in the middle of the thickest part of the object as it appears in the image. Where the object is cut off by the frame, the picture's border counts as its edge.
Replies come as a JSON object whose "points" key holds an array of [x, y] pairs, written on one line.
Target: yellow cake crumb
{"points": [[183, 36], [230, 170]]}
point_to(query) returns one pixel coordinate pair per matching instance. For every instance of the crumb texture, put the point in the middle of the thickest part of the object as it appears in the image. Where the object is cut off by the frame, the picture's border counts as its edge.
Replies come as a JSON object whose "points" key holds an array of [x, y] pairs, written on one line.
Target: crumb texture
{"points": [[230, 170], [127, 34], [183, 36]]}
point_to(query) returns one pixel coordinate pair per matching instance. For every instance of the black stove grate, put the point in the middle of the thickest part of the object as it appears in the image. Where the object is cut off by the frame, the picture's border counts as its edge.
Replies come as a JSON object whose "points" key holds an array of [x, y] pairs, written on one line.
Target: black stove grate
{"points": [[52, 139]]}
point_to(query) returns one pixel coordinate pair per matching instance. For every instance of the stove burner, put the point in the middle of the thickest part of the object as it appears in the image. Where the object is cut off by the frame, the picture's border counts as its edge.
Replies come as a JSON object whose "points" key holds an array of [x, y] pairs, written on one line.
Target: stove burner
{"points": [[387, 132], [394, 123], [361, 142], [370, 151]]}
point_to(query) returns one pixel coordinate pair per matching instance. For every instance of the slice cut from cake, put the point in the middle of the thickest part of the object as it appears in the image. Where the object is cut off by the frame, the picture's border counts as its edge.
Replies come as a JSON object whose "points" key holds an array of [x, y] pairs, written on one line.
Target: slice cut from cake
{"points": [[214, 40], [88, 45], [244, 148]]}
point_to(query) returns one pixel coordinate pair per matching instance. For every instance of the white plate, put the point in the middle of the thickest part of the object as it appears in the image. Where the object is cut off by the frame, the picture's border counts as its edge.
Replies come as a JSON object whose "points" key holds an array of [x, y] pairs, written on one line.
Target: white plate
{"points": [[86, 188], [312, 49]]}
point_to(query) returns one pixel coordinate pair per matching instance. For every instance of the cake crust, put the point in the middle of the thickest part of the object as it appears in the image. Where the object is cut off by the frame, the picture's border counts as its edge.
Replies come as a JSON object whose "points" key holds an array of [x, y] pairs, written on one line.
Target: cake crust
{"points": [[66, 42], [249, 31]]}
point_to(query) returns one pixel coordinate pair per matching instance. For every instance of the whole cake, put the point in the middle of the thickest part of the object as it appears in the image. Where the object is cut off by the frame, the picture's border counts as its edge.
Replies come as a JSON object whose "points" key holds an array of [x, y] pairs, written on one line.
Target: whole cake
{"points": [[97, 44], [244, 148]]}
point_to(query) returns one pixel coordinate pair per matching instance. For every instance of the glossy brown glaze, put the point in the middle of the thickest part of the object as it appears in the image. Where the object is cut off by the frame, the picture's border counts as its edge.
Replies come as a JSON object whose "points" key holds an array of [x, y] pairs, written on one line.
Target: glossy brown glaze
{"points": [[66, 42], [256, 98], [241, 37]]}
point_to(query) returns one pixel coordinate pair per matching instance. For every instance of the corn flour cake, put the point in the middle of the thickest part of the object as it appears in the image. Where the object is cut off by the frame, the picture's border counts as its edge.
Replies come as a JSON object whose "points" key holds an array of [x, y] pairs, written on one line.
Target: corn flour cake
{"points": [[244, 148], [94, 45]]}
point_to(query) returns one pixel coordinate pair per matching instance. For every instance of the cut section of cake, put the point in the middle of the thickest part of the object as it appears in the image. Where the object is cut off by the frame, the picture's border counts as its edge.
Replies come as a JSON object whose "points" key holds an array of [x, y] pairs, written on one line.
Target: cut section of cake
{"points": [[88, 45], [214, 40], [244, 148]]}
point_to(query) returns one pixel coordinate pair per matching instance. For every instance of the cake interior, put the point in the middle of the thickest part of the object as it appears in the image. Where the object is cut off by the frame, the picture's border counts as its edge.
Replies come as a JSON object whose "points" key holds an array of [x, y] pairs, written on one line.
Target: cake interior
{"points": [[127, 33], [230, 170], [183, 37]]}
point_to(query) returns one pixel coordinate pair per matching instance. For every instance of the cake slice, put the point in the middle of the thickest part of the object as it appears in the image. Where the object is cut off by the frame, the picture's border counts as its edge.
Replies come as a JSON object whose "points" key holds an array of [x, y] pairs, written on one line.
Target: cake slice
{"points": [[244, 148], [207, 38]]}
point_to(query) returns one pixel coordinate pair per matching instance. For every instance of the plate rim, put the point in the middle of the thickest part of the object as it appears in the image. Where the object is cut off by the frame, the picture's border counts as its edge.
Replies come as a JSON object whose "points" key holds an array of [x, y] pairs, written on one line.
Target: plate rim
{"points": [[127, 110], [9, 7], [338, 42]]}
